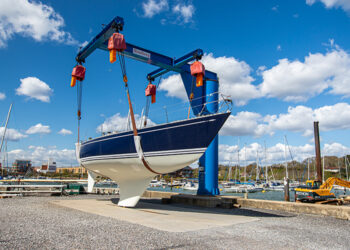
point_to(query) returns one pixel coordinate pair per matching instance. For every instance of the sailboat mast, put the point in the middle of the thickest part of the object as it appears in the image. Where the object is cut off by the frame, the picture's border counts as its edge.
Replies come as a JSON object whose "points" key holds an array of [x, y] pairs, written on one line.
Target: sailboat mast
{"points": [[239, 169], [245, 162], [7, 120], [257, 166], [3, 135], [308, 168], [266, 165], [285, 156], [346, 167]]}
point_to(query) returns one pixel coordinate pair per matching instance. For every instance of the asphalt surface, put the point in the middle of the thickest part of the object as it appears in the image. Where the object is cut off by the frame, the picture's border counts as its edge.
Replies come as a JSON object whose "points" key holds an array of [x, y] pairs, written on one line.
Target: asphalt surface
{"points": [[35, 223]]}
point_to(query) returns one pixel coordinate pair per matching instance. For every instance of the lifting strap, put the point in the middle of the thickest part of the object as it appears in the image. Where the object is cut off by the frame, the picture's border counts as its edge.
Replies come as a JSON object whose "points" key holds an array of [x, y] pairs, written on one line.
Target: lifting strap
{"points": [[137, 139]]}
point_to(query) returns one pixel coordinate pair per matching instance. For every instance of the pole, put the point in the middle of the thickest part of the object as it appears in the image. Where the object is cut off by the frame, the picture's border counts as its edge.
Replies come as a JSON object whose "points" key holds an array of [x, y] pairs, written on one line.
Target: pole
{"points": [[239, 168], [245, 162], [3, 136], [339, 169], [285, 157], [257, 166], [166, 114], [318, 152], [7, 120], [286, 189], [286, 179], [346, 167], [308, 168], [323, 170], [266, 166]]}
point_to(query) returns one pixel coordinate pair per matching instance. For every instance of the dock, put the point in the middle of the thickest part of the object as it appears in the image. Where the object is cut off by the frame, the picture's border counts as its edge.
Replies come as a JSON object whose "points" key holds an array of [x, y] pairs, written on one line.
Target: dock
{"points": [[340, 212], [26, 190]]}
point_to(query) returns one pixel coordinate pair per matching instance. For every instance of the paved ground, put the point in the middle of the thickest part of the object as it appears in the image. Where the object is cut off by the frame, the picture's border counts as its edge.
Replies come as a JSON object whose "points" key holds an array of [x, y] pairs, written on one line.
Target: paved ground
{"points": [[158, 216], [34, 222]]}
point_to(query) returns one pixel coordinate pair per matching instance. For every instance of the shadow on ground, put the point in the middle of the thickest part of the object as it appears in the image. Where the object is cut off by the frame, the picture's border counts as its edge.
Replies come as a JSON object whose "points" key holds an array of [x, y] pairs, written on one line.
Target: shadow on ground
{"points": [[156, 204]]}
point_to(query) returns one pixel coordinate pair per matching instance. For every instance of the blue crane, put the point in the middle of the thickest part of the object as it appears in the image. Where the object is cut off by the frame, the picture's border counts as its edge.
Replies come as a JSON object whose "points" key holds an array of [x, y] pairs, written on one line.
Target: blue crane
{"points": [[208, 104]]}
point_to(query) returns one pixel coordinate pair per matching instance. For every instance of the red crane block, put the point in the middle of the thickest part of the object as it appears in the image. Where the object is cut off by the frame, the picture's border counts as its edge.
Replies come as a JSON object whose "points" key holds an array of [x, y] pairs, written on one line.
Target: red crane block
{"points": [[198, 70], [115, 43], [151, 91], [78, 73]]}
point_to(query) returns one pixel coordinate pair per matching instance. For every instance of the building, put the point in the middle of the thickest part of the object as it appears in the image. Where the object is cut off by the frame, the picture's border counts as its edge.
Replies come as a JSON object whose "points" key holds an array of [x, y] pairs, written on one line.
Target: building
{"points": [[48, 167], [186, 172], [21, 166], [71, 170]]}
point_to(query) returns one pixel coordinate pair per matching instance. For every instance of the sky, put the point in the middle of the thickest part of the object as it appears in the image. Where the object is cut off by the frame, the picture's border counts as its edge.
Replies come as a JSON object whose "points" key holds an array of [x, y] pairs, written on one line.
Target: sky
{"points": [[284, 63]]}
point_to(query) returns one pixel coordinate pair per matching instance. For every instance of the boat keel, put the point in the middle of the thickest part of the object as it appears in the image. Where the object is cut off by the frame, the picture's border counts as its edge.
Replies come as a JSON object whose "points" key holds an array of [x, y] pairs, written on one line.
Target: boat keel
{"points": [[131, 191]]}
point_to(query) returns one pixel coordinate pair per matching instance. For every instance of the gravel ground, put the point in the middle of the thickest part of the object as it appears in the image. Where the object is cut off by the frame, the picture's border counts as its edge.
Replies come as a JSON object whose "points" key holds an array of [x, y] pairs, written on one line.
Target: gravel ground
{"points": [[33, 223]]}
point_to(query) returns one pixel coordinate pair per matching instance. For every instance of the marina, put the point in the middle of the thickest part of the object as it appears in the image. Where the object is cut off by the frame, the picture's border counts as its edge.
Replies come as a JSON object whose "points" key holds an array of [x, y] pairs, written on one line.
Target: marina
{"points": [[174, 124]]}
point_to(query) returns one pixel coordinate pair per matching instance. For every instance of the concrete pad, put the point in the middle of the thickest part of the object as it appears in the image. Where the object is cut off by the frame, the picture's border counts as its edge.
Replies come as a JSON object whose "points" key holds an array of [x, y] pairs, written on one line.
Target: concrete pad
{"points": [[158, 216]]}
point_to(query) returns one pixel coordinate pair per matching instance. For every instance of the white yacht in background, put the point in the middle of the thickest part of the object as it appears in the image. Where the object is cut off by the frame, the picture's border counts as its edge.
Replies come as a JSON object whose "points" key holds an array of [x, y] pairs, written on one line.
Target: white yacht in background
{"points": [[191, 186]]}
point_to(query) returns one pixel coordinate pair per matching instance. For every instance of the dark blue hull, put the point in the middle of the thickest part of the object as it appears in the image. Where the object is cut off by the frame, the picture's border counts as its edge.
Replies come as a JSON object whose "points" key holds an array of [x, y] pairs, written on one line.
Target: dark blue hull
{"points": [[170, 138]]}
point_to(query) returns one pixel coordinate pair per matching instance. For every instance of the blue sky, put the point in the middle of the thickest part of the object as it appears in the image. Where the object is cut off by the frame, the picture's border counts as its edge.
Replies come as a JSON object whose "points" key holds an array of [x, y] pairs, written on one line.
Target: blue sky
{"points": [[284, 63]]}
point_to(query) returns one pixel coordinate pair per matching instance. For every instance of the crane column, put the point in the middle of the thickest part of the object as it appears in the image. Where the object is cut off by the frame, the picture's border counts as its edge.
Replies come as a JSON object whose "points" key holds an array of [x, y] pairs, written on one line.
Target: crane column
{"points": [[208, 177]]}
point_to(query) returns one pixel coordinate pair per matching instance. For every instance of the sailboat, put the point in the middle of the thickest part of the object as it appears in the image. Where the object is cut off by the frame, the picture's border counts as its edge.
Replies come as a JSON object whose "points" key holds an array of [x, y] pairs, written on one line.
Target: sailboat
{"points": [[134, 161]]}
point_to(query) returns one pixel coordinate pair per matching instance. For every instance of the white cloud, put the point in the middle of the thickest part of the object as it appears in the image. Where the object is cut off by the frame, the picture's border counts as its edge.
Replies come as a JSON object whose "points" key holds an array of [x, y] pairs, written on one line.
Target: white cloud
{"points": [[119, 123], [153, 7], [279, 48], [34, 88], [298, 81], [39, 129], [335, 149], [2, 96], [295, 81], [297, 119], [244, 124], [234, 77], [11, 134], [275, 8], [31, 19], [39, 154], [174, 87], [65, 132], [301, 118], [184, 12], [344, 4]]}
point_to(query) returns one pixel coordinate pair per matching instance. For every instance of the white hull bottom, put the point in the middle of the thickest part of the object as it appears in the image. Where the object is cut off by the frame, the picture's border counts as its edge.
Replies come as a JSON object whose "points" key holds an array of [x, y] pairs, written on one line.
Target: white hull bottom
{"points": [[132, 176]]}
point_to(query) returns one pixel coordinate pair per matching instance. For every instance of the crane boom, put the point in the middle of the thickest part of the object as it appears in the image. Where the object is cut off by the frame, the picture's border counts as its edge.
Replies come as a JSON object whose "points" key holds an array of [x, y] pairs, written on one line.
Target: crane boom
{"points": [[328, 184]]}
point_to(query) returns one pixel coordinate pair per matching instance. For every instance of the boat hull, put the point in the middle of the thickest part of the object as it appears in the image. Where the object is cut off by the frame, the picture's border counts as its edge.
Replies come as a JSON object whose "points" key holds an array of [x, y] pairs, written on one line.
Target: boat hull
{"points": [[166, 148]]}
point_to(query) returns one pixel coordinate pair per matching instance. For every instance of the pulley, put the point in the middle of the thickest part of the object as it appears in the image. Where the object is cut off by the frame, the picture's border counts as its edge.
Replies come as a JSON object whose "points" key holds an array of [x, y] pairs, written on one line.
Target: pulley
{"points": [[115, 43], [198, 70], [151, 91], [78, 73]]}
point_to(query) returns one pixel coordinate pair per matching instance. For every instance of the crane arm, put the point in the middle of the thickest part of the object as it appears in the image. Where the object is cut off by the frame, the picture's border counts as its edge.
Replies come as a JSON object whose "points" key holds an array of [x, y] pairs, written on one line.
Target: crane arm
{"points": [[328, 184]]}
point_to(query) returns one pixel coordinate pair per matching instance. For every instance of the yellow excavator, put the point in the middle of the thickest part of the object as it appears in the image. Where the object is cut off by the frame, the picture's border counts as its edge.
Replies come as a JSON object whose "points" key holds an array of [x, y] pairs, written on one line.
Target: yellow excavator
{"points": [[315, 191]]}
